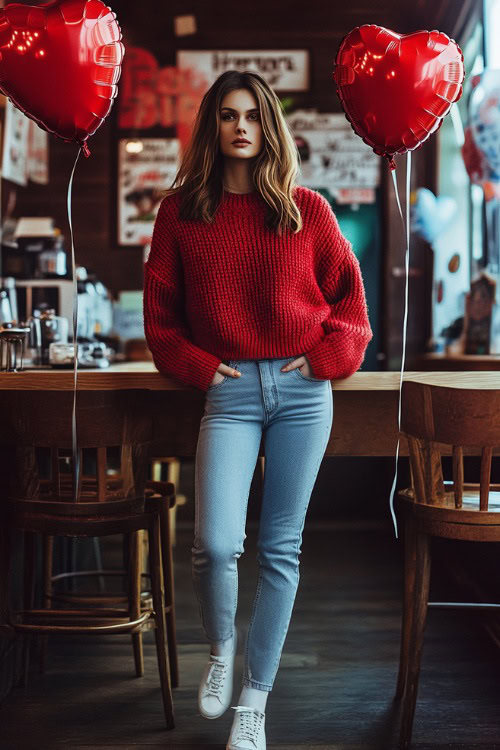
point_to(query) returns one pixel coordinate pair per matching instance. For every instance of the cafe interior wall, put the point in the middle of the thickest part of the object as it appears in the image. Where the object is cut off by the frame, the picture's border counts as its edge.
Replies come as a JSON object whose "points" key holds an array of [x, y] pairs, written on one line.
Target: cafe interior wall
{"points": [[269, 26], [275, 26]]}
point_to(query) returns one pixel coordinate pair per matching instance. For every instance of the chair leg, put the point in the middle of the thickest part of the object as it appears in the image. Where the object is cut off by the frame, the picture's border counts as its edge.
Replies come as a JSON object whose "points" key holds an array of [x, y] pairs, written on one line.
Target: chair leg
{"points": [[156, 573], [419, 613], [29, 597], [47, 554], [408, 594], [168, 580], [134, 600]]}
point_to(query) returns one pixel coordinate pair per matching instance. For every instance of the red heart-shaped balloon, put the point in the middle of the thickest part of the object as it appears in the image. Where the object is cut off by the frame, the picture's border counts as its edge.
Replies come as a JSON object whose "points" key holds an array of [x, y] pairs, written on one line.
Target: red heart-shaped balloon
{"points": [[396, 88], [60, 63]]}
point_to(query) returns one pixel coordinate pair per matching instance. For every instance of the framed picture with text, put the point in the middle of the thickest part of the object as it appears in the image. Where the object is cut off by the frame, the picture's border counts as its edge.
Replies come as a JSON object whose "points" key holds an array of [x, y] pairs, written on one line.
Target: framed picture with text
{"points": [[146, 167]]}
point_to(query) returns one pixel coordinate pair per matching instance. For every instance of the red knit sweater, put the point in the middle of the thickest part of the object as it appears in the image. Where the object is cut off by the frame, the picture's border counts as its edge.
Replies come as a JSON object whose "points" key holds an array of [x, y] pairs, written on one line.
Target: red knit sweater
{"points": [[233, 289]]}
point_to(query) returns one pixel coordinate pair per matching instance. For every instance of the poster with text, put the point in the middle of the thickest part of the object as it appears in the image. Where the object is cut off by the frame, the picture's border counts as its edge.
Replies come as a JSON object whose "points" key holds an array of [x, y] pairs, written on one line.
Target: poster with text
{"points": [[146, 168], [333, 157]]}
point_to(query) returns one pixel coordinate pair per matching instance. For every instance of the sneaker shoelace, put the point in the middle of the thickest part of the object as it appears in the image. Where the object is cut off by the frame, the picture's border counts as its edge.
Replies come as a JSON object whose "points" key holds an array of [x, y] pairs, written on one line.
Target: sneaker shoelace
{"points": [[215, 677], [249, 724]]}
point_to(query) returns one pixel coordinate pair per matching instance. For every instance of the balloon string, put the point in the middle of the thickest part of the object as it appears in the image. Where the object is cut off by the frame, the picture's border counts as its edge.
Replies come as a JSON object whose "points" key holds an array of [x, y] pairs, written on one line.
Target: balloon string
{"points": [[76, 458], [406, 228]]}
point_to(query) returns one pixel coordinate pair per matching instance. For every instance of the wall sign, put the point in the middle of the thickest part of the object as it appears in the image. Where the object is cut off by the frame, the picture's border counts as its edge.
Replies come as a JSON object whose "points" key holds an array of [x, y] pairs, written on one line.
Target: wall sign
{"points": [[284, 70]]}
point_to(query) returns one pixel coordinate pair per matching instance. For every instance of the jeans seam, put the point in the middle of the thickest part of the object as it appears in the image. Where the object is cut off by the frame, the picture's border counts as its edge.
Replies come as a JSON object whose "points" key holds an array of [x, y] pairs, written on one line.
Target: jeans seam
{"points": [[196, 531], [236, 569], [254, 608]]}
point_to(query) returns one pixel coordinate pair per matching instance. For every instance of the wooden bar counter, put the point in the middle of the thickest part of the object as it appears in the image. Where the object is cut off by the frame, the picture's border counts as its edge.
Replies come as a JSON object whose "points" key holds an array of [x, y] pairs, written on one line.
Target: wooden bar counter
{"points": [[365, 419]]}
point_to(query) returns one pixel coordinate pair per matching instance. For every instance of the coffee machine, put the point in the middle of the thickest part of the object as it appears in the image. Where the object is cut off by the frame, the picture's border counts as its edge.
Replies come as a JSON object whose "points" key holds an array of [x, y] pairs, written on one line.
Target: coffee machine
{"points": [[37, 283]]}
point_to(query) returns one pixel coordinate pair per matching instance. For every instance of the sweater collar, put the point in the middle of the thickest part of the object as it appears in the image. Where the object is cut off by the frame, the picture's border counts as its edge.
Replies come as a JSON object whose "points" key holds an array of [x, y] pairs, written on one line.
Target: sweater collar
{"points": [[240, 199]]}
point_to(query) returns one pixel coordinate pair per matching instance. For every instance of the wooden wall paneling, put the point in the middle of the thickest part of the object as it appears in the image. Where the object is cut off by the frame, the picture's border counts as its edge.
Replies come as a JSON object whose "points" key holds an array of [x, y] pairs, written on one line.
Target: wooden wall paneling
{"points": [[453, 17]]}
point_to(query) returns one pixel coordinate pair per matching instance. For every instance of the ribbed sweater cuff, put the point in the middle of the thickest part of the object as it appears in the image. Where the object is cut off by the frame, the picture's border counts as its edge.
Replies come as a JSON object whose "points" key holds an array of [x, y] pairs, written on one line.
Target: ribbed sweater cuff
{"points": [[339, 355]]}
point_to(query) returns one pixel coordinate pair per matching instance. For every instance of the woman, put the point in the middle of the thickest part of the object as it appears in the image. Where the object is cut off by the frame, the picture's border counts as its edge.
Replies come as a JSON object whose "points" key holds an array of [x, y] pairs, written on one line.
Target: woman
{"points": [[253, 295]]}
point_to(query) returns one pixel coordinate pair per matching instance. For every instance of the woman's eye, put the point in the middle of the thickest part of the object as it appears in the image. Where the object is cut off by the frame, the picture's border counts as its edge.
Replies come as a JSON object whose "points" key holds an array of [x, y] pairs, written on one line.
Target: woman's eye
{"points": [[226, 116]]}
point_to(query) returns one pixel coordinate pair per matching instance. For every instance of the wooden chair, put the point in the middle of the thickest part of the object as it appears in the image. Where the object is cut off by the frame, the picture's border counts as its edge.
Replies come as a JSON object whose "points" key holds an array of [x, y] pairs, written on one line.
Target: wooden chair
{"points": [[434, 417], [101, 507]]}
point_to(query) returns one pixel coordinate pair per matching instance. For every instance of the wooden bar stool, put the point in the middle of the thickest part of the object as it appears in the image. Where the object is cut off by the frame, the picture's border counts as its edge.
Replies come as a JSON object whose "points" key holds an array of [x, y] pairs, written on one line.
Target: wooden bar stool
{"points": [[155, 491], [103, 419], [161, 493], [433, 417]]}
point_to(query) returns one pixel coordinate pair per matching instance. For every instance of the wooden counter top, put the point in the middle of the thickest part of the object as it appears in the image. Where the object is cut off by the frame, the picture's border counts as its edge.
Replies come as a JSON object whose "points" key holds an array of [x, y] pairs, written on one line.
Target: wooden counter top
{"points": [[365, 423], [144, 375]]}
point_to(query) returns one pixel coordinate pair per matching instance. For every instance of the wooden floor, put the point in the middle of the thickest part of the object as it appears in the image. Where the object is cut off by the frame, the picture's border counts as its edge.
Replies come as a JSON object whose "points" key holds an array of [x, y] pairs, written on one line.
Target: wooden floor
{"points": [[334, 687]]}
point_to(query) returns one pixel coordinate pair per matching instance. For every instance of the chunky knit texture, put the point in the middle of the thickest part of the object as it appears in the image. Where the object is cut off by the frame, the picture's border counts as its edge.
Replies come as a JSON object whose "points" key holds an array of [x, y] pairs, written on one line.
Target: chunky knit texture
{"points": [[234, 289]]}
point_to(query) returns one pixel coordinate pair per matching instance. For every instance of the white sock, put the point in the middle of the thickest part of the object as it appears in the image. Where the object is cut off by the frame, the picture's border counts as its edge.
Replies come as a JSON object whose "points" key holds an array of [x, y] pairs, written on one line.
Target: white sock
{"points": [[222, 649], [253, 697]]}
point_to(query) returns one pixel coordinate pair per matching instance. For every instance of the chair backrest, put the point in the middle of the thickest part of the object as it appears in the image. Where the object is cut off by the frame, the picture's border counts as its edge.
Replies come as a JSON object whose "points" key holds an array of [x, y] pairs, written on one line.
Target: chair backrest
{"points": [[118, 420], [434, 415]]}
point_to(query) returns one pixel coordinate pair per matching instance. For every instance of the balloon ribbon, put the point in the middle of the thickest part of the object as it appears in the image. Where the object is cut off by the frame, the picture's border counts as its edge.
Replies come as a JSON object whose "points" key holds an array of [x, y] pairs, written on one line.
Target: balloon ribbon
{"points": [[76, 457], [406, 229]]}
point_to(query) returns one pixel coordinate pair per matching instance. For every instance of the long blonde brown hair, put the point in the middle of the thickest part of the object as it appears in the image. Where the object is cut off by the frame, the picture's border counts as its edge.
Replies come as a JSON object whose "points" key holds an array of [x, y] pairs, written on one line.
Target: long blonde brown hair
{"points": [[199, 177]]}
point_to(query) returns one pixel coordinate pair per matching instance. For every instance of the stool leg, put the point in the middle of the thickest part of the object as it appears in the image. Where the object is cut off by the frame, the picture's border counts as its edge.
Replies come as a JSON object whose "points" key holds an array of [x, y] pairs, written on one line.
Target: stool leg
{"points": [[173, 475], [419, 613], [159, 609], [168, 580], [134, 601], [408, 594], [29, 597], [5, 549], [47, 553]]}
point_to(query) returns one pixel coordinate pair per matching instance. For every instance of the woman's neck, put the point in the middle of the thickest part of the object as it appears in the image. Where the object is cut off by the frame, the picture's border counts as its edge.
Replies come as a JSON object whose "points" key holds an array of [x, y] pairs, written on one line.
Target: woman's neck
{"points": [[236, 178], [240, 192]]}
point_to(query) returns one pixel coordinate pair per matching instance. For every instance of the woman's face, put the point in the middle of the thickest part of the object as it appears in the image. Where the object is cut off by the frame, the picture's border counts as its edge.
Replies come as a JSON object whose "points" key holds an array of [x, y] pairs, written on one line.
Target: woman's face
{"points": [[240, 118]]}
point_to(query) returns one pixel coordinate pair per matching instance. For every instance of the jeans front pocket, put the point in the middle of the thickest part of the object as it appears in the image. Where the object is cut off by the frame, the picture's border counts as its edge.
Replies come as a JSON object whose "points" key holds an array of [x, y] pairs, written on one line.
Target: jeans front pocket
{"points": [[305, 377], [232, 363]]}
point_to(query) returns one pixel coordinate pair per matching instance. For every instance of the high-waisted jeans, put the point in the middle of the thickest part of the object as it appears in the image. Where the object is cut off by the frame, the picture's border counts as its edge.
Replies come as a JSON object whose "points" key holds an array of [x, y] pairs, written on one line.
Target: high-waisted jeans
{"points": [[294, 413]]}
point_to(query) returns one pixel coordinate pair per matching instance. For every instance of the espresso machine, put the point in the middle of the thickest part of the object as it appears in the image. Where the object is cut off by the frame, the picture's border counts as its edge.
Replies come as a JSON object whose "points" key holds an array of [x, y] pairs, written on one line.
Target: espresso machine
{"points": [[37, 293]]}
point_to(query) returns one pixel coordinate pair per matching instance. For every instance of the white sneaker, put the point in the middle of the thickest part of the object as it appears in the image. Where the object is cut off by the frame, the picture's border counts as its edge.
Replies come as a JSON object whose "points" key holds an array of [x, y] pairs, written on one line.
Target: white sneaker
{"points": [[216, 686], [247, 732]]}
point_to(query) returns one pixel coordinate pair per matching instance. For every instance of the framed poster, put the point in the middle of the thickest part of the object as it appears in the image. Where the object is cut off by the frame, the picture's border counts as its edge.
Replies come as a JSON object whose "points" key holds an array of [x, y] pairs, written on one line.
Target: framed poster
{"points": [[146, 167], [333, 157], [37, 165], [15, 145]]}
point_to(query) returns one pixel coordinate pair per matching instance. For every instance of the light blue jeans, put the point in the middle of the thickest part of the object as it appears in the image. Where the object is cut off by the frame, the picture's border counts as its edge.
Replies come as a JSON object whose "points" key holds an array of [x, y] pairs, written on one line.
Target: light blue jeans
{"points": [[294, 413]]}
